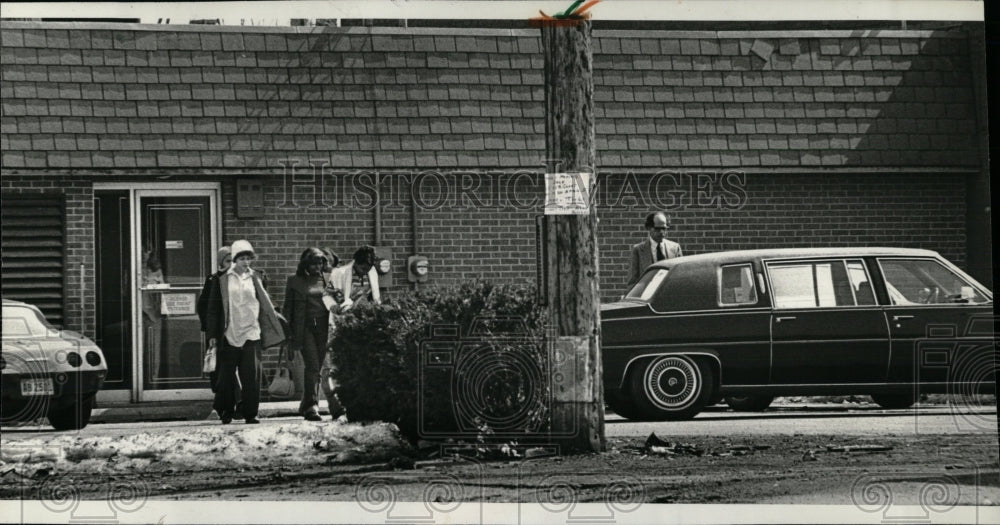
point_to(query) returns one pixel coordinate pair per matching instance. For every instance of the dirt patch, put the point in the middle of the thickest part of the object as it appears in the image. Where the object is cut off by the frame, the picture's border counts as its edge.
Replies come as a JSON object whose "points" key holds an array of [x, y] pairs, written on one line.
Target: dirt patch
{"points": [[780, 469]]}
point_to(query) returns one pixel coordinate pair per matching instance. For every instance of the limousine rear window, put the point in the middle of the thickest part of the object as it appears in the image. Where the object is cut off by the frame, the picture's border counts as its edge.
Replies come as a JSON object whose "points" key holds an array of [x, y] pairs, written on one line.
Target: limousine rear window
{"points": [[647, 285], [736, 285]]}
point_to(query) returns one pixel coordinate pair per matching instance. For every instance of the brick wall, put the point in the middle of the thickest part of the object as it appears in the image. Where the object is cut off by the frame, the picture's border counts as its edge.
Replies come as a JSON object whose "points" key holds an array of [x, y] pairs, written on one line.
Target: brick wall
{"points": [[489, 233], [496, 240], [173, 97]]}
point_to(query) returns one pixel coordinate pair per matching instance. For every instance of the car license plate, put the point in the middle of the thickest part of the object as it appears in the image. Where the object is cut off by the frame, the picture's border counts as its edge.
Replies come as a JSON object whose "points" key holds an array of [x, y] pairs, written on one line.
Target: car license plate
{"points": [[37, 387]]}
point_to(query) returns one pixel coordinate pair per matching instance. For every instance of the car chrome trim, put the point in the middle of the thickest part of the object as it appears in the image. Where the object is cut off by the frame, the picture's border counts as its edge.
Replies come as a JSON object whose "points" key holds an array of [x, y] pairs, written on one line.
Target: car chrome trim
{"points": [[911, 384], [930, 338], [621, 380], [940, 305], [888, 340], [662, 345], [688, 313], [796, 341]]}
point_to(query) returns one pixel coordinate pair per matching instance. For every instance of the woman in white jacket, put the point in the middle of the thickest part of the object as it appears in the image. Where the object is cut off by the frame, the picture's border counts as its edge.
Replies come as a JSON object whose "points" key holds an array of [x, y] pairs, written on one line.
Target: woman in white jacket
{"points": [[346, 285], [356, 280]]}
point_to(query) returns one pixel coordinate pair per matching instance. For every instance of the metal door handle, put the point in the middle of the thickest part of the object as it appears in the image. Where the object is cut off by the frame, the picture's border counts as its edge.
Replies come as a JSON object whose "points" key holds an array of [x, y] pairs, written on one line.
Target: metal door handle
{"points": [[901, 317], [780, 319]]}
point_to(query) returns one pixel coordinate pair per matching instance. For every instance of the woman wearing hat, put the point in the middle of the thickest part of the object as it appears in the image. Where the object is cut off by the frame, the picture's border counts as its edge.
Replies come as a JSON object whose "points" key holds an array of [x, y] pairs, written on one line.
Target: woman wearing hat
{"points": [[308, 320], [242, 322]]}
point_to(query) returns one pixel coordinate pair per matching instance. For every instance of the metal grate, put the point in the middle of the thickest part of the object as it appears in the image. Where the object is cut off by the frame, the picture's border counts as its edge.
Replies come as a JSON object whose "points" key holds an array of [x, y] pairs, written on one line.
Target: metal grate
{"points": [[32, 246]]}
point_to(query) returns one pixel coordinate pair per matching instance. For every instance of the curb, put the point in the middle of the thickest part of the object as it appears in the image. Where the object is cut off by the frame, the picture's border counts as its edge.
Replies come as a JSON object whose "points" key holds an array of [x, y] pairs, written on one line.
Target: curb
{"points": [[187, 411]]}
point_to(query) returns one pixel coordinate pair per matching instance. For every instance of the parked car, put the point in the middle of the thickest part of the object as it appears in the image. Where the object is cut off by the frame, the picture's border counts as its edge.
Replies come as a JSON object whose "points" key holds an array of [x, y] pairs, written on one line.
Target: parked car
{"points": [[751, 325], [46, 371]]}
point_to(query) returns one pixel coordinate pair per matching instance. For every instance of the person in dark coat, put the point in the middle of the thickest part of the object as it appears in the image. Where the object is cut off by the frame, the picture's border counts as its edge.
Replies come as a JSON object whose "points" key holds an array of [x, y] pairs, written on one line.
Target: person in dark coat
{"points": [[653, 249], [225, 260], [242, 321], [308, 321]]}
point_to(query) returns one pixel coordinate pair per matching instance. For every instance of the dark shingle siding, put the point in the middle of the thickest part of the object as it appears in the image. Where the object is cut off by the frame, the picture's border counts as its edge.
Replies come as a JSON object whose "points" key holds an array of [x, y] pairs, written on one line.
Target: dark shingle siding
{"points": [[826, 99]]}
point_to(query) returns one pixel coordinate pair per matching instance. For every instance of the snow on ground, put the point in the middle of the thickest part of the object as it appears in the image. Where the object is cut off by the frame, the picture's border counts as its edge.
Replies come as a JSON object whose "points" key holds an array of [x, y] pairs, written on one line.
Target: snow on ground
{"points": [[212, 446]]}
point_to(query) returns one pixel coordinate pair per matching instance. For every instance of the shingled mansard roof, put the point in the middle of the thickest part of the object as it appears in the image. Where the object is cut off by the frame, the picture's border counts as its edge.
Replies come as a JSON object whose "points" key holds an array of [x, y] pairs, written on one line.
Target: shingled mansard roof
{"points": [[96, 96]]}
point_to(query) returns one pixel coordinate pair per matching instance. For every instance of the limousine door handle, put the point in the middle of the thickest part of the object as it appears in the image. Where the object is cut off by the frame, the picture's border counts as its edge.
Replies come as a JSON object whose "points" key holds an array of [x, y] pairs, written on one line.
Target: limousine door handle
{"points": [[901, 317], [787, 318]]}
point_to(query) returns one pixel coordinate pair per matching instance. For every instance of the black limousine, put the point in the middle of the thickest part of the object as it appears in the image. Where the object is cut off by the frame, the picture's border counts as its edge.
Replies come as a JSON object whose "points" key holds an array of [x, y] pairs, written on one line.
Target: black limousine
{"points": [[750, 325]]}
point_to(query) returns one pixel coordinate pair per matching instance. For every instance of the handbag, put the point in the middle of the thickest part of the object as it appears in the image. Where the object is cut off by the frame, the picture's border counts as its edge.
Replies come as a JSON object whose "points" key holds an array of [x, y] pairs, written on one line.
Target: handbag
{"points": [[208, 364], [281, 385], [326, 381]]}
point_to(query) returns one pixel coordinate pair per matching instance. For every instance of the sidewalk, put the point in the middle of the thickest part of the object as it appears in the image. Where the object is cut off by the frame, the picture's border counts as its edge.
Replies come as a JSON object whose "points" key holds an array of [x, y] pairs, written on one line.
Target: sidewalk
{"points": [[179, 411]]}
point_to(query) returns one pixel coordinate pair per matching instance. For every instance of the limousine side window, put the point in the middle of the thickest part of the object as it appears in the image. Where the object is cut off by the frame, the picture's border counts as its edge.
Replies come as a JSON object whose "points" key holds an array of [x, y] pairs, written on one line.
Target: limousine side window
{"points": [[926, 281], [861, 285], [810, 285], [736, 285]]}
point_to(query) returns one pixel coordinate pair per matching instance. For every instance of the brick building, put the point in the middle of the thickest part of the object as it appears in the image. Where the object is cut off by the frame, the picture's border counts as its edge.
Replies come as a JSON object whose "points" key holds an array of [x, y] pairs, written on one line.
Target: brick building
{"points": [[123, 138]]}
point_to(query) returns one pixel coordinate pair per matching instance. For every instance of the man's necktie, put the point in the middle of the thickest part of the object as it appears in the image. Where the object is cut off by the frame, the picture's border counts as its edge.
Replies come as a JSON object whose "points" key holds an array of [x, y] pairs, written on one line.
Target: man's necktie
{"points": [[659, 252]]}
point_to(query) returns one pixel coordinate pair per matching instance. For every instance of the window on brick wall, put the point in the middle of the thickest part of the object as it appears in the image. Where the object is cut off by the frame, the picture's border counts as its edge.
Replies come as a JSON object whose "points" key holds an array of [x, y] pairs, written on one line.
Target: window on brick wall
{"points": [[31, 248]]}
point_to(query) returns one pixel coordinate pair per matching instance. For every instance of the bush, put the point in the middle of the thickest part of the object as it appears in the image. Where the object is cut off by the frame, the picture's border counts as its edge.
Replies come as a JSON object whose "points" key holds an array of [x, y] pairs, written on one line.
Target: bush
{"points": [[492, 332]]}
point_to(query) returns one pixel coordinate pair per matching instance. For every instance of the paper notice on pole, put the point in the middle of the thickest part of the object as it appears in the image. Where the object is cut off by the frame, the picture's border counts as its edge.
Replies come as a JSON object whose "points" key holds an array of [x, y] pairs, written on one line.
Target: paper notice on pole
{"points": [[567, 194]]}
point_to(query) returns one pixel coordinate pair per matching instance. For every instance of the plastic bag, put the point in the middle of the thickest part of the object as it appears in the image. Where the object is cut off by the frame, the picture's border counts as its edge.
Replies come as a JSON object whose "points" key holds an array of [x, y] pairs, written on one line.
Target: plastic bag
{"points": [[208, 364]]}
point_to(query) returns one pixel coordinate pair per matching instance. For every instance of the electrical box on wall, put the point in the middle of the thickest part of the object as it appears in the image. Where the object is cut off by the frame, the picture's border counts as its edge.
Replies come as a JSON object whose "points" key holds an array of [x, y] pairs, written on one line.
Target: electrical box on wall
{"points": [[384, 266], [249, 199], [417, 269]]}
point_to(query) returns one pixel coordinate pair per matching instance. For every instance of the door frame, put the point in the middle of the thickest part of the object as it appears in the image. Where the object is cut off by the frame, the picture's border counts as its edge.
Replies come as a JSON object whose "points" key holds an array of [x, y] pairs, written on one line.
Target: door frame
{"points": [[213, 190]]}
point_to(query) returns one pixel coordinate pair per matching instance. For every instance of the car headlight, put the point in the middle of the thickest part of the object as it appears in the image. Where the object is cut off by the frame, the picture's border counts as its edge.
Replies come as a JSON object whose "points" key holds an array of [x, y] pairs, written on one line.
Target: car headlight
{"points": [[93, 358], [74, 359]]}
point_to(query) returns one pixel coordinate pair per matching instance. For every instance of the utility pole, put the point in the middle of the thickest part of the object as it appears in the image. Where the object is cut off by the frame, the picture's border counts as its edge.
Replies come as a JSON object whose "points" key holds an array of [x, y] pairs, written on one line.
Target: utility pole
{"points": [[570, 239]]}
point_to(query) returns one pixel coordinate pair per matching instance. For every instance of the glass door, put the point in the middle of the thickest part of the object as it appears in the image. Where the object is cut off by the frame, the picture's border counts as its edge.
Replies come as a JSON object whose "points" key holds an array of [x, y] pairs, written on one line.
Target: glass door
{"points": [[175, 246]]}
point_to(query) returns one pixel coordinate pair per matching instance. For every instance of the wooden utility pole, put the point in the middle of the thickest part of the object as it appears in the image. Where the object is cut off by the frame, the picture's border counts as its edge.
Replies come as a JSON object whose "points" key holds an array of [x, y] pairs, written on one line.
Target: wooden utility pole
{"points": [[571, 241]]}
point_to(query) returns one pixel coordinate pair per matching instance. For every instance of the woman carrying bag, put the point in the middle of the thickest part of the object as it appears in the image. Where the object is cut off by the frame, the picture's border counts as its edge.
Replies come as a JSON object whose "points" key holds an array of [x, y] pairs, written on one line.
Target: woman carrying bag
{"points": [[242, 322], [308, 320]]}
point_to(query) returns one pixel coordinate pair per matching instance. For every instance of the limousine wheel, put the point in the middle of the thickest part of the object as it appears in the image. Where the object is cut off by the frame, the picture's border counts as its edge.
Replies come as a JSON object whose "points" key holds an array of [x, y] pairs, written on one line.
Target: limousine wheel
{"points": [[671, 387], [894, 400], [749, 403]]}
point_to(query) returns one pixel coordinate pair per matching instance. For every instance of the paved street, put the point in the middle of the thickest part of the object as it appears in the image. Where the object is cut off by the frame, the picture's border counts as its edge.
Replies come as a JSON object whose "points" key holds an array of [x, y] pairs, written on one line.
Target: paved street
{"points": [[820, 419]]}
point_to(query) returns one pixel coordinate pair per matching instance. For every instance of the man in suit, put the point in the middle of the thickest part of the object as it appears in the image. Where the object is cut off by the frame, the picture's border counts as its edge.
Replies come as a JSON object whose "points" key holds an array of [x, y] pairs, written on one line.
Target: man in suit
{"points": [[656, 248]]}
